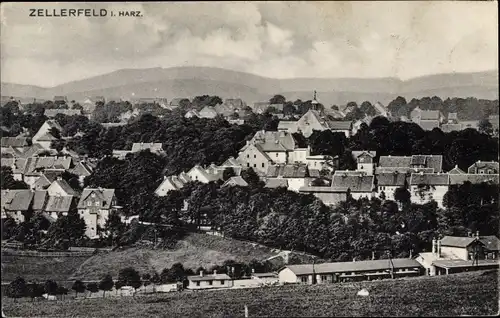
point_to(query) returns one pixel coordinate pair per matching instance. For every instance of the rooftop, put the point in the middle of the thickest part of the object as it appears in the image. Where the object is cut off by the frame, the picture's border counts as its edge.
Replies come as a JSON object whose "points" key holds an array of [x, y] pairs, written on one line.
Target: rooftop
{"points": [[338, 267]]}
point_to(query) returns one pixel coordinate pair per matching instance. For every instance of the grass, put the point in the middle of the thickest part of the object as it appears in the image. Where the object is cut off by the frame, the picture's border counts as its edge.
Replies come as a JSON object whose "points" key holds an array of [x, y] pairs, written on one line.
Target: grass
{"points": [[474, 293], [193, 251], [39, 268]]}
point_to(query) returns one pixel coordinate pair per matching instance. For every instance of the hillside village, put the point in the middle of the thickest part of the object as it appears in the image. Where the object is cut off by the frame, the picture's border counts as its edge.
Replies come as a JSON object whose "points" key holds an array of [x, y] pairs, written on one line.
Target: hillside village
{"points": [[51, 185]]}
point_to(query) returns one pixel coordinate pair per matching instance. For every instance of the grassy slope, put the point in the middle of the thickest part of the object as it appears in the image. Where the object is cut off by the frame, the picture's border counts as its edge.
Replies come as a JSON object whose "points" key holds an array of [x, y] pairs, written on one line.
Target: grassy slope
{"points": [[193, 251], [459, 294], [39, 268]]}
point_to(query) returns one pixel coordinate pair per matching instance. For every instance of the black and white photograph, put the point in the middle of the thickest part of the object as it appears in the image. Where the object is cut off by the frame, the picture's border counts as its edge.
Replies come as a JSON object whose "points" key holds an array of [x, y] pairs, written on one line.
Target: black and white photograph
{"points": [[249, 159]]}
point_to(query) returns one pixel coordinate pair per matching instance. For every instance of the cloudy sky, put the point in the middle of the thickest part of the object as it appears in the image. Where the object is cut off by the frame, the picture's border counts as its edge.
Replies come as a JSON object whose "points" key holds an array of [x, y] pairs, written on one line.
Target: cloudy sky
{"points": [[281, 40]]}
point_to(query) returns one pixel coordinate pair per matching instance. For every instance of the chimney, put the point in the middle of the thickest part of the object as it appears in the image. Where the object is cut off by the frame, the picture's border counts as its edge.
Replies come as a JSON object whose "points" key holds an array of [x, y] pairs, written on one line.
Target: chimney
{"points": [[433, 246], [201, 273], [469, 234], [215, 272], [477, 234], [373, 255], [411, 253], [354, 259], [58, 178], [438, 248], [253, 270]]}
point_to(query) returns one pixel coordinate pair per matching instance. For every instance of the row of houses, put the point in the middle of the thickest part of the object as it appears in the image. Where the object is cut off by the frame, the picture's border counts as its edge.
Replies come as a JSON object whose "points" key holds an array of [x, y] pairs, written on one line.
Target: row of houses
{"points": [[430, 119]]}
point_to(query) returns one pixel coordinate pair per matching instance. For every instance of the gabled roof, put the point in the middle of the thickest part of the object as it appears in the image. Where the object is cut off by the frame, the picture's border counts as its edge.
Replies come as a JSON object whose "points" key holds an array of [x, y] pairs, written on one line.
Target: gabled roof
{"points": [[203, 172], [234, 103], [59, 203], [380, 108], [39, 200], [208, 112], [394, 161], [430, 115], [276, 183], [104, 195], [456, 241], [391, 179], [339, 125], [435, 179], [356, 153], [235, 181], [41, 163], [429, 161], [65, 186], [260, 151], [208, 277], [451, 127], [153, 147], [18, 165], [82, 169], [491, 242], [14, 142], [231, 162], [429, 124], [339, 267], [68, 112], [473, 178], [356, 183], [287, 171], [16, 200], [492, 165], [379, 170], [456, 170]]}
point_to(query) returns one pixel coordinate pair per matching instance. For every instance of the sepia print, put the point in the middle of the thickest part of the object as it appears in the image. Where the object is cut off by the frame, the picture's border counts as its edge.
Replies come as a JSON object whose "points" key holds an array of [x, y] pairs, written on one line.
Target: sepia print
{"points": [[249, 159]]}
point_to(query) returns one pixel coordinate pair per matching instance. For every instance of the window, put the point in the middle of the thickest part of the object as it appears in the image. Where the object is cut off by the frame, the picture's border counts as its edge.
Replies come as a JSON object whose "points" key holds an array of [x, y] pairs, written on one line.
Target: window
{"points": [[481, 172], [248, 164], [254, 156], [89, 203], [222, 282], [262, 165], [210, 282], [96, 203], [255, 165], [197, 283], [276, 154], [324, 278], [303, 279], [248, 156]]}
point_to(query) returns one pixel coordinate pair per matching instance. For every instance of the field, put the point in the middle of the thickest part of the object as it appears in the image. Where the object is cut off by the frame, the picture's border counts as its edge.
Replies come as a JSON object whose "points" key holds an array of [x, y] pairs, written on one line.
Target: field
{"points": [[39, 268], [192, 251], [473, 293]]}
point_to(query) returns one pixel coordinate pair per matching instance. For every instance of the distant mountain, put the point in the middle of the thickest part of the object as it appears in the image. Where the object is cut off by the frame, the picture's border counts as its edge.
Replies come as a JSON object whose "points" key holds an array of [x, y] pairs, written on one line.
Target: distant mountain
{"points": [[192, 81]]}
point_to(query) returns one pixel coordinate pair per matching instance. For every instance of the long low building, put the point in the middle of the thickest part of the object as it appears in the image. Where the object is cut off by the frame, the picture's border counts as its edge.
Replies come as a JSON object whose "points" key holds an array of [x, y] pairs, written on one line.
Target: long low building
{"points": [[349, 271]]}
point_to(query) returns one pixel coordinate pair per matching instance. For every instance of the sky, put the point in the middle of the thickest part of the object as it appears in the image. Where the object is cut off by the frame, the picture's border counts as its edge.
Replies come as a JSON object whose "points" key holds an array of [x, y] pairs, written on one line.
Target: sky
{"points": [[273, 39]]}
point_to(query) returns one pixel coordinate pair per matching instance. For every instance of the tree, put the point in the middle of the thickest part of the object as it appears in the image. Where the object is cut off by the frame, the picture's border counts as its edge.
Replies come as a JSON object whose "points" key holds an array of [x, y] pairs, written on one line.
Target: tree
{"points": [[68, 229], [176, 273], [78, 287], [35, 290], [129, 277], [277, 99], [485, 127], [7, 180], [114, 227], [106, 284], [92, 288], [17, 288], [227, 174], [146, 279], [61, 290], [402, 195], [51, 287]]}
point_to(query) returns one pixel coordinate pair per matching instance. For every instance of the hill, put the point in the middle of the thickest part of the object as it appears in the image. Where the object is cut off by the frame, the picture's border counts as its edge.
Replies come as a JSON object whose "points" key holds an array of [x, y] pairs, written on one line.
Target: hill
{"points": [[474, 293], [192, 81], [192, 251]]}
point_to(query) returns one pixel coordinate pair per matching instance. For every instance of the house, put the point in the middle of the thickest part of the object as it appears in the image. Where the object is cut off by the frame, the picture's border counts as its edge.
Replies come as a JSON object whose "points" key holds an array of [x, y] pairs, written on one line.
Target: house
{"points": [[365, 161], [327, 273], [253, 156], [484, 167], [207, 112], [358, 184], [60, 187], [389, 182], [327, 194], [172, 183], [192, 113], [35, 166], [51, 113], [474, 124], [223, 110], [426, 187], [235, 103], [381, 109], [18, 166], [176, 102], [89, 104], [235, 181], [295, 175], [16, 204], [82, 169], [265, 278], [233, 164], [17, 143], [429, 124], [209, 281], [44, 136], [456, 170], [434, 162], [60, 99], [200, 174], [453, 118], [58, 205], [95, 206], [314, 120], [261, 107], [46, 179], [313, 162], [459, 179], [446, 128], [453, 254], [120, 154], [153, 147]]}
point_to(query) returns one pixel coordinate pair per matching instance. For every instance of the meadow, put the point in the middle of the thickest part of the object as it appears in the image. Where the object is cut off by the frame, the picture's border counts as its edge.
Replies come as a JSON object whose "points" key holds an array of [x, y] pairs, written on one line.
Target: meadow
{"points": [[474, 293]]}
